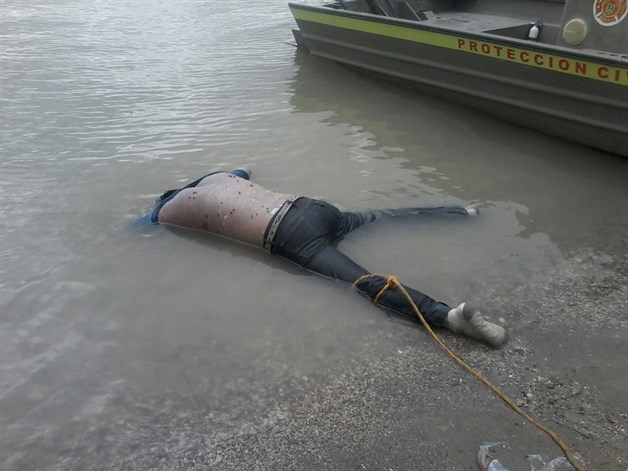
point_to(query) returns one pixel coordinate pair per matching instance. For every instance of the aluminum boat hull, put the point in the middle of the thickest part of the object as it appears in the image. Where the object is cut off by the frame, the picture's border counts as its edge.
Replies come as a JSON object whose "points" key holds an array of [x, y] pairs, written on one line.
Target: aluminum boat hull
{"points": [[572, 94]]}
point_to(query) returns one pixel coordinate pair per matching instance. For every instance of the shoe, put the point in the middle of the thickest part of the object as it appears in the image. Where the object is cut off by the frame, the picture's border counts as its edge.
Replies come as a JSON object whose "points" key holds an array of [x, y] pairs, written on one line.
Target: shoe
{"points": [[473, 211], [467, 320]]}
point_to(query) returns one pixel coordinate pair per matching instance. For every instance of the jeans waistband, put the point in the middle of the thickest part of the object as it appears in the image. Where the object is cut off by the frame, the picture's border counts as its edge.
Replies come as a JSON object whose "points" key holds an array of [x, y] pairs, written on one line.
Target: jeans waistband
{"points": [[271, 230]]}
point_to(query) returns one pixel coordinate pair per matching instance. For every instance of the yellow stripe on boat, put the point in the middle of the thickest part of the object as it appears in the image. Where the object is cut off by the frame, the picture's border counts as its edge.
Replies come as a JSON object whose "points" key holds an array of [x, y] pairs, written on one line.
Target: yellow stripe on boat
{"points": [[528, 57]]}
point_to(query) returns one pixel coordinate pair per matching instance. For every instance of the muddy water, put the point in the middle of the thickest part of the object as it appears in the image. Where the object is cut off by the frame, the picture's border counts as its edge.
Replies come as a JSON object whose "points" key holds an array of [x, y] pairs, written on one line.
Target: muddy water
{"points": [[105, 325]]}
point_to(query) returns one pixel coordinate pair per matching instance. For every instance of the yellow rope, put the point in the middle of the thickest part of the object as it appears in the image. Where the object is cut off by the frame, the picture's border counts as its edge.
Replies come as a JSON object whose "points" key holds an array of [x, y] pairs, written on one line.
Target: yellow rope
{"points": [[393, 281]]}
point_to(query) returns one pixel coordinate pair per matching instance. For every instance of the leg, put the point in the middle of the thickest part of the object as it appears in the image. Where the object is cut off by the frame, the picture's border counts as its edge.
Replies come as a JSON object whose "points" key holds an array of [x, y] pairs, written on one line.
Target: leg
{"points": [[306, 237], [353, 220], [332, 263], [434, 312], [464, 319]]}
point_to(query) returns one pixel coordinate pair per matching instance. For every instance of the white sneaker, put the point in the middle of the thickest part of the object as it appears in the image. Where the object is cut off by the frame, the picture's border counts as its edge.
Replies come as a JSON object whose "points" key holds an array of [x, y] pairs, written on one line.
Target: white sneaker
{"points": [[467, 320], [473, 211]]}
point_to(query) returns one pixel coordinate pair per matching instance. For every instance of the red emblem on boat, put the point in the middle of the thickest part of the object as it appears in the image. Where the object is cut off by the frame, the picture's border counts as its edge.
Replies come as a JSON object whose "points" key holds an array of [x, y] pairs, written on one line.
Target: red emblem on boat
{"points": [[609, 12]]}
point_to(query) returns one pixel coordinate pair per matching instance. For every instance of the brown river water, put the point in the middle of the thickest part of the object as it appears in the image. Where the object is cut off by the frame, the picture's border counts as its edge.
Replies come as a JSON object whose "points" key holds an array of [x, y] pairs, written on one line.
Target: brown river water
{"points": [[106, 326]]}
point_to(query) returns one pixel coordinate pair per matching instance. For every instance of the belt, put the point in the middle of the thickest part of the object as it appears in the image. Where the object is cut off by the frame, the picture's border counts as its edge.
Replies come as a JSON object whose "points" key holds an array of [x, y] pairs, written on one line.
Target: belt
{"points": [[269, 236]]}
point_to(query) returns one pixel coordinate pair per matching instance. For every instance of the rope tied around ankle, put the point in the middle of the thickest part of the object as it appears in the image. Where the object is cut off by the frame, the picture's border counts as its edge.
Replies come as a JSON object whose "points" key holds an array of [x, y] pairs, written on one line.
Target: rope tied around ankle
{"points": [[393, 282]]}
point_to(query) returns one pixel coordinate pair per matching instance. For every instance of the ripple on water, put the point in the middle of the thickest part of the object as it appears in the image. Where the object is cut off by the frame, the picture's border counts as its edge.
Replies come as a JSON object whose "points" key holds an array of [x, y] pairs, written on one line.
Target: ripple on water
{"points": [[106, 79]]}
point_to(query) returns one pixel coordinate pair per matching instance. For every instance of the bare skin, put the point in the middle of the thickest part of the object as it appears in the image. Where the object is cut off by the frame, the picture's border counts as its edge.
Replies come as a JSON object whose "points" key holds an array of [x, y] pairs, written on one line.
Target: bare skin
{"points": [[225, 205]]}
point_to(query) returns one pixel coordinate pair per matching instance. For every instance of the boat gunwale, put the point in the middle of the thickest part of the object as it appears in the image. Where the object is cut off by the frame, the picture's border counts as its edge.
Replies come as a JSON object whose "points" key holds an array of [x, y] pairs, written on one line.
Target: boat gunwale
{"points": [[612, 59]]}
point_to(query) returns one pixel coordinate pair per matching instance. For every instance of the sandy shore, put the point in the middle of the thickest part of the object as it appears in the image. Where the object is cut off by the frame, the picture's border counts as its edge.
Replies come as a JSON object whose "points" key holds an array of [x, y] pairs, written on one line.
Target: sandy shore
{"points": [[416, 409]]}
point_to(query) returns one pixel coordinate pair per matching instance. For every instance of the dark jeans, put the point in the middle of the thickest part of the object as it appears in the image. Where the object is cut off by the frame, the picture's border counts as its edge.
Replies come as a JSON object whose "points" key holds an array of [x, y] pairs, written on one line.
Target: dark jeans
{"points": [[308, 236]]}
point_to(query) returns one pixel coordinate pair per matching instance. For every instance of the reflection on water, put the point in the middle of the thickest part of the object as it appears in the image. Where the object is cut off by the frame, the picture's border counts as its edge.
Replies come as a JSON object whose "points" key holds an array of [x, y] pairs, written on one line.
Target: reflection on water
{"points": [[571, 193], [107, 329]]}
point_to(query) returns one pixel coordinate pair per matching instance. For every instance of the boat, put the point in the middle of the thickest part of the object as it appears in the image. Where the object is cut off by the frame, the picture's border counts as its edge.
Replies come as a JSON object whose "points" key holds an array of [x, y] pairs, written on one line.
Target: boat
{"points": [[557, 66]]}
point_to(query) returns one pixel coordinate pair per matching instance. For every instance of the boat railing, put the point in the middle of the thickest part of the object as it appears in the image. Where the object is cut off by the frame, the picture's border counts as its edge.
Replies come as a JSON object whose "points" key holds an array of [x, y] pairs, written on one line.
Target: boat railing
{"points": [[467, 20]]}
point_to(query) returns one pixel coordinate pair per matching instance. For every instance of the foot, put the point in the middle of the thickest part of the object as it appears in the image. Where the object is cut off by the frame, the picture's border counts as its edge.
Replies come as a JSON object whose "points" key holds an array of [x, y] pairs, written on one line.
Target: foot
{"points": [[473, 211], [467, 320]]}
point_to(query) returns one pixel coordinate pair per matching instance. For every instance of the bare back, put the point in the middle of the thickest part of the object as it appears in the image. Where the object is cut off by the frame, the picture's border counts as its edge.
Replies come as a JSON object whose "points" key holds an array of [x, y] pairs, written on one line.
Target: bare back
{"points": [[225, 205]]}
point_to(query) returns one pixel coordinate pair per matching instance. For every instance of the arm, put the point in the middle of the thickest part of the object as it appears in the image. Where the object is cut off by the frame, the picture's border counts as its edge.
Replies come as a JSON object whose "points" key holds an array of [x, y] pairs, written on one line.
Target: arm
{"points": [[243, 172]]}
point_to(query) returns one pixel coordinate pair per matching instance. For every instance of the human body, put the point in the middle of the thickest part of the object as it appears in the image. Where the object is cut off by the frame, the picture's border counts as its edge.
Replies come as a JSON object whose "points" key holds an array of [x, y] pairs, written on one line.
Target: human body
{"points": [[306, 231]]}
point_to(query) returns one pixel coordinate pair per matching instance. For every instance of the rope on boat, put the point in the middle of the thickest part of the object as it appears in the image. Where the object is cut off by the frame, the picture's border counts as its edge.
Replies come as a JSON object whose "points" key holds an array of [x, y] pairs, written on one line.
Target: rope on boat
{"points": [[393, 282]]}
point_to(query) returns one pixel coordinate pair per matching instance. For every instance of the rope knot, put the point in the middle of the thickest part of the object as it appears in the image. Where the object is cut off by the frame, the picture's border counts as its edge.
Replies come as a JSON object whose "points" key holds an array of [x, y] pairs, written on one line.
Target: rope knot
{"points": [[391, 282]]}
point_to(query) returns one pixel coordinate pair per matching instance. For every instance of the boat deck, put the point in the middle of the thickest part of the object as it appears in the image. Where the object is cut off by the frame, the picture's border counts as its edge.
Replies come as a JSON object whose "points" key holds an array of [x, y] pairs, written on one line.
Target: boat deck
{"points": [[514, 27], [503, 23], [472, 22]]}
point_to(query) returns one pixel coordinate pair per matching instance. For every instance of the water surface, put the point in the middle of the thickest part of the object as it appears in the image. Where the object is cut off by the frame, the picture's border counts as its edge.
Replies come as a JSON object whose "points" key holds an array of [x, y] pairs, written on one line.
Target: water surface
{"points": [[107, 104]]}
